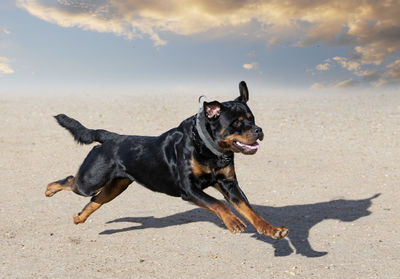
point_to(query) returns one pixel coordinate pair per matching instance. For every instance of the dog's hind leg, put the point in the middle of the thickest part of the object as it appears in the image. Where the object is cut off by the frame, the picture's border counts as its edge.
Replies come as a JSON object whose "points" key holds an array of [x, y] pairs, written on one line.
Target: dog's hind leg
{"points": [[111, 190], [62, 184]]}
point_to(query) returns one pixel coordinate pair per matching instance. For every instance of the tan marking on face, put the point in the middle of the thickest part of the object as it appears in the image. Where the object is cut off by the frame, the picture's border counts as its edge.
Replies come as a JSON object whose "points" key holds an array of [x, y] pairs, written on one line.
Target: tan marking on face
{"points": [[241, 118], [199, 169], [228, 172], [248, 115], [245, 138]]}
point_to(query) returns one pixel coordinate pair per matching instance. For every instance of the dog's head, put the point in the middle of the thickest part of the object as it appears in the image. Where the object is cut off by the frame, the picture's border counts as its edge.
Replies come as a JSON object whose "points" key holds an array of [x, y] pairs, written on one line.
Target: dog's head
{"points": [[232, 124]]}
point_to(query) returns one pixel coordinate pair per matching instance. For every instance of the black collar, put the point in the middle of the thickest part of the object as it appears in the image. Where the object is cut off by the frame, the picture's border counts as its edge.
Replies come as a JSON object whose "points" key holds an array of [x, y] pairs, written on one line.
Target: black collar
{"points": [[205, 136]]}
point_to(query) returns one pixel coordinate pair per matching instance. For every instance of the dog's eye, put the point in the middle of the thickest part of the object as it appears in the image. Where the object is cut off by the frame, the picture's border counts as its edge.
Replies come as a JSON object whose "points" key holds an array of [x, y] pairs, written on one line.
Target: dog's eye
{"points": [[236, 123]]}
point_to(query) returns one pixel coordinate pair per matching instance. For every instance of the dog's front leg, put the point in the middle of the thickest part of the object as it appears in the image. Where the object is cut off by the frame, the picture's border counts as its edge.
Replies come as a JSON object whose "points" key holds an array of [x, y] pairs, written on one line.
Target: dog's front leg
{"points": [[198, 197], [235, 196]]}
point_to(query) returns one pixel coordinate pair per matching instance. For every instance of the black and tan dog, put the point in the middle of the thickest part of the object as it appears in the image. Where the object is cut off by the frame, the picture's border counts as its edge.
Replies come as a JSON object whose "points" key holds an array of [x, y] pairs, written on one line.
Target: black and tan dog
{"points": [[181, 162]]}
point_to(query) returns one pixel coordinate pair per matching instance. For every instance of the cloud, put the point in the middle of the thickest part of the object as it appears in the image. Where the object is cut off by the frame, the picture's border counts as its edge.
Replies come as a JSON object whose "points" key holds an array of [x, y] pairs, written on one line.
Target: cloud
{"points": [[133, 19], [373, 26], [376, 77], [394, 70], [368, 76], [346, 83], [379, 83], [4, 67], [273, 42], [338, 85], [5, 31], [347, 64], [317, 85], [369, 29], [323, 67], [250, 66]]}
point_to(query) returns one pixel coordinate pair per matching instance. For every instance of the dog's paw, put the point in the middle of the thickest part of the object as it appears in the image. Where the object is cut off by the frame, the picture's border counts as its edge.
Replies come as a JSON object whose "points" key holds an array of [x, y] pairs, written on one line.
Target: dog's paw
{"points": [[77, 219], [279, 233], [234, 224], [51, 189], [274, 232]]}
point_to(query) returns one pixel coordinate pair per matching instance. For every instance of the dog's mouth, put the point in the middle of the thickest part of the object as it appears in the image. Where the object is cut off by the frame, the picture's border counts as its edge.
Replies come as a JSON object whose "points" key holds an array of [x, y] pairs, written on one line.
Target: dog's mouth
{"points": [[244, 148]]}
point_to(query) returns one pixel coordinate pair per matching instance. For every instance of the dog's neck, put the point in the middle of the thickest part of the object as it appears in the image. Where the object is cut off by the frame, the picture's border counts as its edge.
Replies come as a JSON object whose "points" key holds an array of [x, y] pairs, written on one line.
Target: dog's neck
{"points": [[206, 137]]}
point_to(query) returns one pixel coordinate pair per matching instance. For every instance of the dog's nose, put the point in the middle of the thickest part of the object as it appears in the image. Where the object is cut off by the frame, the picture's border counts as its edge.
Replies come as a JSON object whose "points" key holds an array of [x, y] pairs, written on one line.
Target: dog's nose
{"points": [[258, 131]]}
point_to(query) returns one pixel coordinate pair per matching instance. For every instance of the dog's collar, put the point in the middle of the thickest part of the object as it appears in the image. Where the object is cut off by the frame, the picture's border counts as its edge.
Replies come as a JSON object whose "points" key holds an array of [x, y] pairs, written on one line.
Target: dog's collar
{"points": [[205, 136]]}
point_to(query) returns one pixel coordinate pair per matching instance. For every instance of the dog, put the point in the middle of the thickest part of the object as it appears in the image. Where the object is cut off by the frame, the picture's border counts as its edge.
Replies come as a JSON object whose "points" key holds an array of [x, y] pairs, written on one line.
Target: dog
{"points": [[181, 162]]}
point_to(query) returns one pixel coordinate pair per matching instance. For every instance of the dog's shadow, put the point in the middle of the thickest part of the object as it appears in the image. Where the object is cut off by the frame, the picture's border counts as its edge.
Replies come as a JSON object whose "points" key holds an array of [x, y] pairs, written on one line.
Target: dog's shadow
{"points": [[299, 219]]}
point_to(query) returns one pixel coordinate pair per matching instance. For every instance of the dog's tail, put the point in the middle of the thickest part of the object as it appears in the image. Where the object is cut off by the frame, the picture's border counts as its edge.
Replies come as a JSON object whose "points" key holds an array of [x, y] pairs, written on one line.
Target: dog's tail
{"points": [[82, 134]]}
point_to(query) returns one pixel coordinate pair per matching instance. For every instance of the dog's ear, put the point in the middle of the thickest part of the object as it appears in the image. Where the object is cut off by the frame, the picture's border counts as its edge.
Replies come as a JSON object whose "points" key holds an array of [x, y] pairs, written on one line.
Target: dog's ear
{"points": [[244, 92], [212, 109]]}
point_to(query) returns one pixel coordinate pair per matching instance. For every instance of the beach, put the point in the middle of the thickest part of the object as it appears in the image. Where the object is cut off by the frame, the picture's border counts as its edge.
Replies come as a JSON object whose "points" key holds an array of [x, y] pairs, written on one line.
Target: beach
{"points": [[328, 169]]}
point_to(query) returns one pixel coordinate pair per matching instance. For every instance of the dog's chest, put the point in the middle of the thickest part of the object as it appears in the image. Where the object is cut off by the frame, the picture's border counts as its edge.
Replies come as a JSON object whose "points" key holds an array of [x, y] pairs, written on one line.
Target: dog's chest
{"points": [[206, 175]]}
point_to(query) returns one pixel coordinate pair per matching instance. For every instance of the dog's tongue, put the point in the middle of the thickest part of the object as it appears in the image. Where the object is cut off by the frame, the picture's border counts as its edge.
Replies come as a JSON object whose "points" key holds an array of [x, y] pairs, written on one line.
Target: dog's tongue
{"points": [[253, 146]]}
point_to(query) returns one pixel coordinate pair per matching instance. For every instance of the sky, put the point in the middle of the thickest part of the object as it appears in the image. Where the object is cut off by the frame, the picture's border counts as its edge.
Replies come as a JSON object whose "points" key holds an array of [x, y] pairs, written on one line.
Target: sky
{"points": [[106, 45]]}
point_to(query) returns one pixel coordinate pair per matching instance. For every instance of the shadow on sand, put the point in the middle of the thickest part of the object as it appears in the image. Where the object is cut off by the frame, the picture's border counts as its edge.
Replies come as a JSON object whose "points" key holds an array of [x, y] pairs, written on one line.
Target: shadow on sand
{"points": [[299, 219]]}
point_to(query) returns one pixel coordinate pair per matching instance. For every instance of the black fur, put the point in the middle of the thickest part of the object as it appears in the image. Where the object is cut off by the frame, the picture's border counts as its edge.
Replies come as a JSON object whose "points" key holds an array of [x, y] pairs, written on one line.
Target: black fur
{"points": [[82, 134], [178, 162]]}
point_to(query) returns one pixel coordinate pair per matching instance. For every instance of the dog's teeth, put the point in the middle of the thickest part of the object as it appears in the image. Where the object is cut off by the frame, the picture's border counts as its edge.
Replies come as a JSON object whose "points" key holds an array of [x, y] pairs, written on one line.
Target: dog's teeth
{"points": [[247, 145]]}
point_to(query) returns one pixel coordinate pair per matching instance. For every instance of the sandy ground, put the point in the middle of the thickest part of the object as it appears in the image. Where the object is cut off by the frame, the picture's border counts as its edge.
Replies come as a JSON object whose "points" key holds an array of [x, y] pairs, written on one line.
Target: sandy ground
{"points": [[328, 169]]}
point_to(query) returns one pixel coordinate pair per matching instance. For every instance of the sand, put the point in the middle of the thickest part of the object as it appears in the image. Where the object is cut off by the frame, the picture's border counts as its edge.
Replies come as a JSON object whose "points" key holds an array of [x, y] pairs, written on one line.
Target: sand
{"points": [[328, 169]]}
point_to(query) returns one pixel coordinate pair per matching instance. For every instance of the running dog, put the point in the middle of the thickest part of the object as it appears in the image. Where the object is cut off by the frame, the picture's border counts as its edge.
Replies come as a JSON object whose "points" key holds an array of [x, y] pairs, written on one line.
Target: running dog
{"points": [[181, 162]]}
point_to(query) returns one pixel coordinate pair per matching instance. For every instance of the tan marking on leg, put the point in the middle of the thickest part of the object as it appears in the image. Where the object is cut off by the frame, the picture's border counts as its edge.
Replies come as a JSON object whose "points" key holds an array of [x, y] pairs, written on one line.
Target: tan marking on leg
{"points": [[256, 220], [259, 223], [231, 221], [57, 186], [108, 193], [85, 213]]}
